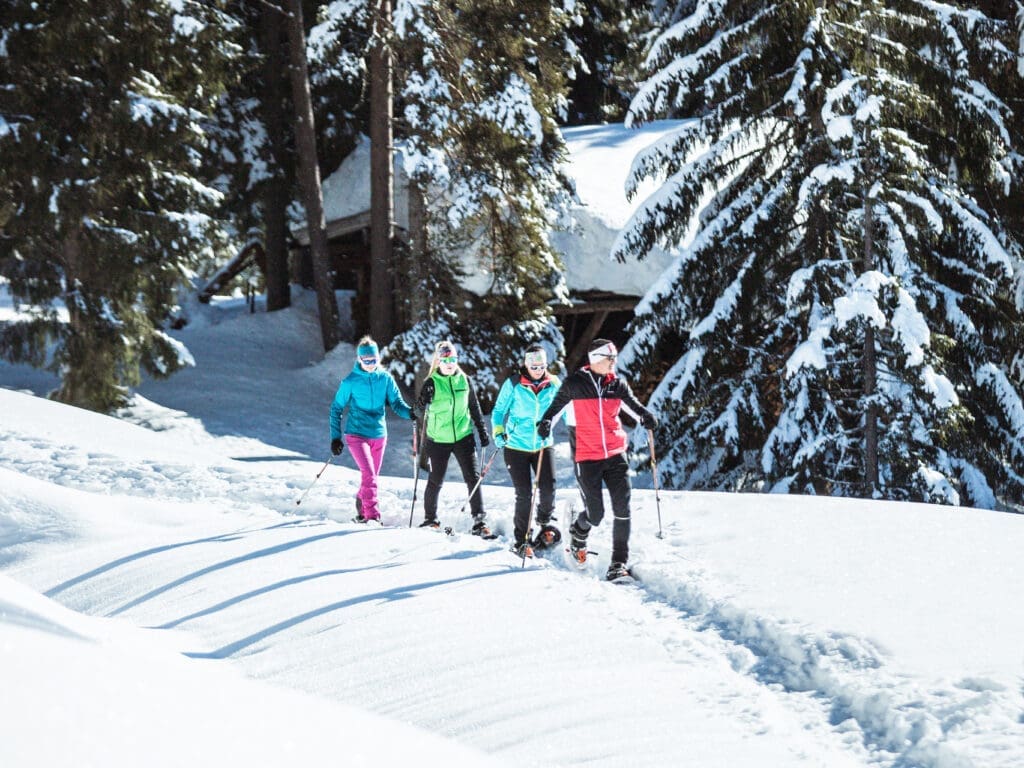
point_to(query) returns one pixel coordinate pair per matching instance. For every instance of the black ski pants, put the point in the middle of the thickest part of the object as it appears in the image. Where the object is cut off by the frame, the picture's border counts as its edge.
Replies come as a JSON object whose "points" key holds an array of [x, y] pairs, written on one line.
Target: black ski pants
{"points": [[614, 473], [522, 466], [437, 459]]}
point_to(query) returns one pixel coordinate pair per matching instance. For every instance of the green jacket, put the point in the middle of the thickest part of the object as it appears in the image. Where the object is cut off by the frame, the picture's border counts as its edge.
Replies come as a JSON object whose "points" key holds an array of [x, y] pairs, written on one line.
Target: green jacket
{"points": [[451, 407]]}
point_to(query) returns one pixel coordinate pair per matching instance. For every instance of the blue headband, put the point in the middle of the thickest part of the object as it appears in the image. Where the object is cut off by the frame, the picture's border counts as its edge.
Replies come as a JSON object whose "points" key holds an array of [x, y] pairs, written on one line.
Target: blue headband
{"points": [[367, 350]]}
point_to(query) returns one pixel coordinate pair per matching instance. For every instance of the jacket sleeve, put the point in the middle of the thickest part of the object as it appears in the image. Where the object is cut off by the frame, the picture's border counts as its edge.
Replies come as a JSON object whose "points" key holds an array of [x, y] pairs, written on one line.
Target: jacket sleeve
{"points": [[556, 384], [396, 401], [561, 400], [426, 395], [474, 410], [501, 406], [338, 406], [630, 403]]}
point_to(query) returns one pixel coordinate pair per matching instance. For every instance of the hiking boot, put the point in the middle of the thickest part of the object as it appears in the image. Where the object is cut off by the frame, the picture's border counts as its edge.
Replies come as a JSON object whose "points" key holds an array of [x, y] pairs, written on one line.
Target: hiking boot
{"points": [[480, 529], [521, 549], [578, 544], [617, 571], [430, 522]]}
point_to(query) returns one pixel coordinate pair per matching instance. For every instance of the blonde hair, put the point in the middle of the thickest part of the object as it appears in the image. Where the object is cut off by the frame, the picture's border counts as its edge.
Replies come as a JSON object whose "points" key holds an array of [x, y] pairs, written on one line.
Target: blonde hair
{"points": [[436, 359]]}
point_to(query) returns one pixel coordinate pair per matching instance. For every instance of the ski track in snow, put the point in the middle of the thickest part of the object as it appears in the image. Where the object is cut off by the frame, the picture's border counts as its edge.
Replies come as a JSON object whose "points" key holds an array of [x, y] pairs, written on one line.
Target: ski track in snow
{"points": [[830, 683]]}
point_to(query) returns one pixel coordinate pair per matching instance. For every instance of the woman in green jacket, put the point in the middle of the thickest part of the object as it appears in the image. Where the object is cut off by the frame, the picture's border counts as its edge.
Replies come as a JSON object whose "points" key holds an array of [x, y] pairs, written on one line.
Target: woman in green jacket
{"points": [[451, 410]]}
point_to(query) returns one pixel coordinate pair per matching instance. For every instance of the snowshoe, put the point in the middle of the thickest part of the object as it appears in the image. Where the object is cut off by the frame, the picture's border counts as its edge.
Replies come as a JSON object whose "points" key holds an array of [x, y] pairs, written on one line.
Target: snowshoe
{"points": [[480, 529], [521, 550], [578, 545], [430, 522], [577, 555], [547, 537], [618, 572]]}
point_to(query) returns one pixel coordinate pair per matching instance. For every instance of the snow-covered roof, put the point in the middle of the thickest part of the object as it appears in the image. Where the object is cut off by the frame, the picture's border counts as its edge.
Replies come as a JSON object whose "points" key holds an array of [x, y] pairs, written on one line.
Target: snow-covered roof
{"points": [[600, 158], [347, 194]]}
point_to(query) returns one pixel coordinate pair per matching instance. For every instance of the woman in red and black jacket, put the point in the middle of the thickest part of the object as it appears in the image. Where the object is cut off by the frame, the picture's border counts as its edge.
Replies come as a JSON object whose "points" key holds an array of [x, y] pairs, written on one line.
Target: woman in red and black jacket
{"points": [[597, 396]]}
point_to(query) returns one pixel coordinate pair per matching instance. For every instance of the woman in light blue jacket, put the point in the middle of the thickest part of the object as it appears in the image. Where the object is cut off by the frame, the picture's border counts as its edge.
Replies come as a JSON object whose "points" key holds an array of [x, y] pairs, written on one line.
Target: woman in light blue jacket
{"points": [[522, 400], [365, 392]]}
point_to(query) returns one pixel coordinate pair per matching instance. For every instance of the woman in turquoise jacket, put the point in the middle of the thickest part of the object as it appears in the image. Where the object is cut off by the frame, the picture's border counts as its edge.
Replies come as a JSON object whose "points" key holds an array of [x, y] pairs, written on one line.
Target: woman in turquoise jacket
{"points": [[364, 393], [522, 400]]}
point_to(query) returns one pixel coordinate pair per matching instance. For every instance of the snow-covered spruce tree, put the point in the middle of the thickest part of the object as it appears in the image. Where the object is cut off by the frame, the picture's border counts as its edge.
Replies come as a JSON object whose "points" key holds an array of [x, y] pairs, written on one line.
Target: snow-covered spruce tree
{"points": [[102, 179], [481, 84], [846, 318], [252, 140], [608, 58]]}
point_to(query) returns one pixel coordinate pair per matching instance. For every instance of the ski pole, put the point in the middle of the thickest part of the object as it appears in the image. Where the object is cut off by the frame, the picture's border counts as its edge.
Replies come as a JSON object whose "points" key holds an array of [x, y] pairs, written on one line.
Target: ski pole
{"points": [[416, 465], [654, 473], [533, 501], [479, 480], [322, 470]]}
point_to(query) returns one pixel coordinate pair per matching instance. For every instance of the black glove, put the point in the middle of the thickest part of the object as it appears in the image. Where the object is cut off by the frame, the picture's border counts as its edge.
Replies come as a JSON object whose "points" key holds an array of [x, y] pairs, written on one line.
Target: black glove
{"points": [[544, 428], [648, 421], [484, 439], [417, 411], [337, 446]]}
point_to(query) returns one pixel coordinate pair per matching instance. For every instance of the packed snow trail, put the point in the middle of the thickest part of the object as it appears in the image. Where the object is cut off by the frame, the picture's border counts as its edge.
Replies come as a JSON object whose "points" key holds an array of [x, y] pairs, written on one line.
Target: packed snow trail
{"points": [[451, 635]]}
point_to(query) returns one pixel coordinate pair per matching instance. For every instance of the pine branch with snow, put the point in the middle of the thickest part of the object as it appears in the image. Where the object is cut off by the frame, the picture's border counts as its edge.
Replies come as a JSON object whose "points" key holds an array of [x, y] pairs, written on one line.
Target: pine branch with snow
{"points": [[846, 192]]}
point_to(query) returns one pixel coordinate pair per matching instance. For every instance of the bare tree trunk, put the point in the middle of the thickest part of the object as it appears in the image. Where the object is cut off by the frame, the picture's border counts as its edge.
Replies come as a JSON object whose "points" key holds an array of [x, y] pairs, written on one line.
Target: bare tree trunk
{"points": [[309, 177], [870, 364], [275, 197], [381, 177], [417, 253]]}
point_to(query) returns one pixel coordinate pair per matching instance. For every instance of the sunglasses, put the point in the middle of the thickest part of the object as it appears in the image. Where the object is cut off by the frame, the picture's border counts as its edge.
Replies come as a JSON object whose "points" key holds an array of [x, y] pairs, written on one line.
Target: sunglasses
{"points": [[539, 367], [448, 360], [368, 360]]}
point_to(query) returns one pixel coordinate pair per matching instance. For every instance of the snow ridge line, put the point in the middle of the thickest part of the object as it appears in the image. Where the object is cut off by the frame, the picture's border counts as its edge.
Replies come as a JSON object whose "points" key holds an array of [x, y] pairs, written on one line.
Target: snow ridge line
{"points": [[897, 720]]}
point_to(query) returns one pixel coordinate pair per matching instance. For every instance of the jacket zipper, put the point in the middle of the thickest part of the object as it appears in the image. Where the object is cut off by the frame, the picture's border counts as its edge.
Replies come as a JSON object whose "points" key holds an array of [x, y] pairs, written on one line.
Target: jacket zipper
{"points": [[600, 416], [451, 391]]}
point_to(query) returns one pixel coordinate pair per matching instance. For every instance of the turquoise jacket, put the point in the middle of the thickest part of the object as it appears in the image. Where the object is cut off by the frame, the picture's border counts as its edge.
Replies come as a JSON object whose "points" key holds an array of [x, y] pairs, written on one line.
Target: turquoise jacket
{"points": [[365, 394], [520, 404]]}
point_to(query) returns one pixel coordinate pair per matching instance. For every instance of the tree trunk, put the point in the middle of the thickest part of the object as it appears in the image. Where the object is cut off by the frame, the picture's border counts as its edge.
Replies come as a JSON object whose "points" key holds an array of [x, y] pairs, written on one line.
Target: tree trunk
{"points": [[417, 297], [275, 196], [870, 364], [870, 371], [309, 177], [381, 177]]}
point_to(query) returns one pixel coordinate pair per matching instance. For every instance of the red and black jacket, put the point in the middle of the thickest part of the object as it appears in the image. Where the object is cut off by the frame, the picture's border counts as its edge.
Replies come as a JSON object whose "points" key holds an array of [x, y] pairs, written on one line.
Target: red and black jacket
{"points": [[596, 402]]}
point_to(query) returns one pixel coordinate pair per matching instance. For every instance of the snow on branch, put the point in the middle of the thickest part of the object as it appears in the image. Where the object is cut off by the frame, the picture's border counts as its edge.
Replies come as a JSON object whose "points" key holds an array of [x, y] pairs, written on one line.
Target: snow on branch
{"points": [[994, 379]]}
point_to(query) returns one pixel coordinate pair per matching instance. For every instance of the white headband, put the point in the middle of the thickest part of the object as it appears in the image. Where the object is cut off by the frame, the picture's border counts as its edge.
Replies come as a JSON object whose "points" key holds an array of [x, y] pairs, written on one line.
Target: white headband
{"points": [[608, 350], [536, 358]]}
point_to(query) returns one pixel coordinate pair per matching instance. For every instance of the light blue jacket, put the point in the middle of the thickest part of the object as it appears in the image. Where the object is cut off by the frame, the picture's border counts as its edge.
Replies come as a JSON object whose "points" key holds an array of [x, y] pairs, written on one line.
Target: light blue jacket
{"points": [[365, 394], [518, 409]]}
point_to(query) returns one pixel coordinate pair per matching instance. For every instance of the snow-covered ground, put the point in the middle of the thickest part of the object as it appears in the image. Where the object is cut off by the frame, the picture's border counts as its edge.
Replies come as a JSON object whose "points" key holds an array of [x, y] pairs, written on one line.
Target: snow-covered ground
{"points": [[164, 601]]}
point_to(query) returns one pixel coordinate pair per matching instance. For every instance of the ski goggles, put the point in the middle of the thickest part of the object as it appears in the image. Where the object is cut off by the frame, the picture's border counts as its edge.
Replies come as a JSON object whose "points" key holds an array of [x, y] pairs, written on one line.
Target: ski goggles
{"points": [[368, 360], [448, 360]]}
